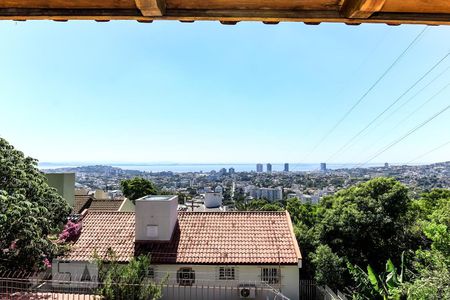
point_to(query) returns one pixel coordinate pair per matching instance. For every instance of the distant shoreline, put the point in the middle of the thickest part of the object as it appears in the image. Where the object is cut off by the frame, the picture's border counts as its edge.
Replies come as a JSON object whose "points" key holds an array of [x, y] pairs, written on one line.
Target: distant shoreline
{"points": [[180, 168]]}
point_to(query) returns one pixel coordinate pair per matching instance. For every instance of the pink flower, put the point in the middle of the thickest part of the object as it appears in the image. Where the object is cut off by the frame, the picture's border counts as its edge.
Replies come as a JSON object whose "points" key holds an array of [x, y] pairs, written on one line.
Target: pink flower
{"points": [[47, 263], [70, 232], [13, 245]]}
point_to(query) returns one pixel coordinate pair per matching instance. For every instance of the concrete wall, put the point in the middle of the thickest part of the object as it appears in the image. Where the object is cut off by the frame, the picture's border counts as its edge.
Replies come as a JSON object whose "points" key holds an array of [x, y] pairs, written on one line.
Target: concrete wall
{"points": [[101, 194], [206, 286], [73, 274], [207, 275], [64, 183]]}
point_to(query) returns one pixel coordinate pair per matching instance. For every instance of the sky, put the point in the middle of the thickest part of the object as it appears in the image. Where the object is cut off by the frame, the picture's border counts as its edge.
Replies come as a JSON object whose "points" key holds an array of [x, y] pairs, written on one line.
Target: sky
{"points": [[133, 92]]}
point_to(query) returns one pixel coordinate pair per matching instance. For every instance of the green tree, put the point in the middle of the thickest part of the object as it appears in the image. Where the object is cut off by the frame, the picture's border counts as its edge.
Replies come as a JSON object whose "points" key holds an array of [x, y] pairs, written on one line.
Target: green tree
{"points": [[432, 263], [329, 267], [30, 211], [127, 281], [259, 205], [137, 187], [305, 213], [432, 279], [368, 223]]}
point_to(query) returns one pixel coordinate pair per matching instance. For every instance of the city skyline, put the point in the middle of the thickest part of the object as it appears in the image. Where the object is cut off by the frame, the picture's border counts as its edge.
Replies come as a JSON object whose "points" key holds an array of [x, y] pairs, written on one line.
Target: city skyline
{"points": [[133, 96]]}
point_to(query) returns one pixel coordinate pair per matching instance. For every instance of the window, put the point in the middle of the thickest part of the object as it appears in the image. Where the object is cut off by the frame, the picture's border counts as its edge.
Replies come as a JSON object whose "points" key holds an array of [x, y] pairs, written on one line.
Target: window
{"points": [[270, 275], [185, 276], [226, 273]]}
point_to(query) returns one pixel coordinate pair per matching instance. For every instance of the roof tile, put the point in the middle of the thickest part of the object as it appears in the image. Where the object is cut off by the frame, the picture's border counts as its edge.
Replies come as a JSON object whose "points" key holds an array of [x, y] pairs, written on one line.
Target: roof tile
{"points": [[199, 238]]}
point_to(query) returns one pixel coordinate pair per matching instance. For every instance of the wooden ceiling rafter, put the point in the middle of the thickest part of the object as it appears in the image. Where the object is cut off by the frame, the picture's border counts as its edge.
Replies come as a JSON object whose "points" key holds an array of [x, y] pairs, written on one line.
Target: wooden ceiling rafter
{"points": [[228, 12], [361, 9], [151, 8]]}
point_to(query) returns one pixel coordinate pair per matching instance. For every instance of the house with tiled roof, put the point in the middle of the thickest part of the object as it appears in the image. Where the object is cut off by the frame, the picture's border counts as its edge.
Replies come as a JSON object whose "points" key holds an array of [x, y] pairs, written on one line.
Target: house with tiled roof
{"points": [[192, 248], [87, 201], [82, 201]]}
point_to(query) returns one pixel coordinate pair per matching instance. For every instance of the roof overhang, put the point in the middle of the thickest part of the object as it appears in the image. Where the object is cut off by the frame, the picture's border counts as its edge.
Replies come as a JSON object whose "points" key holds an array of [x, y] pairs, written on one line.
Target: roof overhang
{"points": [[352, 12]]}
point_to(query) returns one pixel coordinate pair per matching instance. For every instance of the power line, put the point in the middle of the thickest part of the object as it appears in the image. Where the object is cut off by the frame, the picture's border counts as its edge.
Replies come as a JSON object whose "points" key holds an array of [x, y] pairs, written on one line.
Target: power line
{"points": [[412, 113], [389, 107], [369, 90], [356, 70], [381, 151], [359, 67], [422, 105], [428, 152], [410, 98]]}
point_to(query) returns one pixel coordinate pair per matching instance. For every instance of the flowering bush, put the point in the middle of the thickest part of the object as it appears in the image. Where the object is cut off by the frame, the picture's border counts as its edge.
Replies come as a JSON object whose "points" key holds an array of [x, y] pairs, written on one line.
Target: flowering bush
{"points": [[70, 232], [46, 263]]}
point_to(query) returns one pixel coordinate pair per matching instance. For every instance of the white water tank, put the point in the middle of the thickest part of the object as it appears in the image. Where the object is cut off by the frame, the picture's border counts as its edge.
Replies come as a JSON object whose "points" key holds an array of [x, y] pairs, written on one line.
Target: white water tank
{"points": [[156, 217], [213, 200]]}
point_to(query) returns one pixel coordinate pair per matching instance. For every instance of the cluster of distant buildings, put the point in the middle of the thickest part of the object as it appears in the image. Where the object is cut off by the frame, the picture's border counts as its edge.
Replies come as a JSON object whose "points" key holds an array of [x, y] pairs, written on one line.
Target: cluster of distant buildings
{"points": [[259, 167]]}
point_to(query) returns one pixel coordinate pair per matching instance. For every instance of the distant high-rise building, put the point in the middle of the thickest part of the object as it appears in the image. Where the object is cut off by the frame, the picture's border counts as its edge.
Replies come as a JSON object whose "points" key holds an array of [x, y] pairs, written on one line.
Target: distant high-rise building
{"points": [[286, 167], [386, 165], [323, 167], [269, 168], [231, 171], [223, 171], [259, 168]]}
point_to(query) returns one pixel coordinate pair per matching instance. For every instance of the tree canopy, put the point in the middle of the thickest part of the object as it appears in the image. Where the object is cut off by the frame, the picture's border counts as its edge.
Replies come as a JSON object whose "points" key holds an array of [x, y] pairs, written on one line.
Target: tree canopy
{"points": [[30, 211], [367, 225], [355, 239], [137, 187]]}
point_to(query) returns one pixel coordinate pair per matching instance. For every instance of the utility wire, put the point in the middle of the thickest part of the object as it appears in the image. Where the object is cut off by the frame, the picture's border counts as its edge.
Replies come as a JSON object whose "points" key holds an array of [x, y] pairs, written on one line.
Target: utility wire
{"points": [[422, 105], [408, 116], [410, 98], [381, 151], [387, 108], [356, 70], [419, 35], [428, 152]]}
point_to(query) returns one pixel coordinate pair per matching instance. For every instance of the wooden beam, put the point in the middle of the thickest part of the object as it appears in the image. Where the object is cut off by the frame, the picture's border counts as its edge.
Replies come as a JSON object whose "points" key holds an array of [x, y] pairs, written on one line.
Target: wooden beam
{"points": [[223, 15], [361, 9], [151, 8]]}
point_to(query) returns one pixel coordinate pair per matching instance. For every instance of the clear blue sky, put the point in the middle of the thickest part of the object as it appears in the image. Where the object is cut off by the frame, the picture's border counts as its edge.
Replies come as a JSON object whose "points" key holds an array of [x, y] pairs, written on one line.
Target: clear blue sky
{"points": [[204, 92]]}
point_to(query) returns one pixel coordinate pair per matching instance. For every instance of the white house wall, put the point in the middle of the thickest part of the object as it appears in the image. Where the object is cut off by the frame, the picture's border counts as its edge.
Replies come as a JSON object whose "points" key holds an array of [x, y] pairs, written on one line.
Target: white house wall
{"points": [[69, 274], [207, 275], [206, 286]]}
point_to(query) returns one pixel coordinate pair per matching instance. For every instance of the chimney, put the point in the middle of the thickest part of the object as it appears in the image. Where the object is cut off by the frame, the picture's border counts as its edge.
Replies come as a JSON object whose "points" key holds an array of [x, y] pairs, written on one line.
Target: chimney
{"points": [[156, 217]]}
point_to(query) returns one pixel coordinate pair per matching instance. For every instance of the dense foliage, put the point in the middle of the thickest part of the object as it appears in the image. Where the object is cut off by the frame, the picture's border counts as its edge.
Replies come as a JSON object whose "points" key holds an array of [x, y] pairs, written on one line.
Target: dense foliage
{"points": [[259, 205], [137, 187], [30, 211], [127, 281], [353, 240]]}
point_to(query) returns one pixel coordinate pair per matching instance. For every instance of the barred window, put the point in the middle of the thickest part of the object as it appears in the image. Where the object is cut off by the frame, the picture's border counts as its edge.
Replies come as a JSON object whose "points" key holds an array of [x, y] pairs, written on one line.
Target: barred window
{"points": [[270, 275], [185, 276], [226, 273]]}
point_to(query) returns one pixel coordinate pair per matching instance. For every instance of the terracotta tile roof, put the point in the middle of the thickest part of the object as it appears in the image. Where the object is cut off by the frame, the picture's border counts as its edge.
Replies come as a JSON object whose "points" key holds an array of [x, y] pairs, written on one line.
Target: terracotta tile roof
{"points": [[228, 238], [199, 238], [81, 202], [105, 205], [101, 231]]}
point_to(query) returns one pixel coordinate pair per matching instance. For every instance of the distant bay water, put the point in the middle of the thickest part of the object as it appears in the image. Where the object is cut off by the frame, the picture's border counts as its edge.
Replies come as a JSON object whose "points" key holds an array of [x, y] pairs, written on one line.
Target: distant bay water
{"points": [[180, 168]]}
